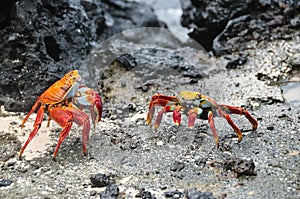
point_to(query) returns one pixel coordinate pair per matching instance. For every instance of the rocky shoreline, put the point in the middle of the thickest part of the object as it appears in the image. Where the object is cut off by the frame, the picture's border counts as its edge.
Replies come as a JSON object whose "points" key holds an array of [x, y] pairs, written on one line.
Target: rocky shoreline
{"points": [[126, 158]]}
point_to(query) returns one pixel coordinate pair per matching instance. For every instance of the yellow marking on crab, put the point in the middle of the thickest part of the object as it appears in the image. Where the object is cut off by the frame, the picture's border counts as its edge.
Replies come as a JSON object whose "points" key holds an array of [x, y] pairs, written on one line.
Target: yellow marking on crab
{"points": [[189, 95]]}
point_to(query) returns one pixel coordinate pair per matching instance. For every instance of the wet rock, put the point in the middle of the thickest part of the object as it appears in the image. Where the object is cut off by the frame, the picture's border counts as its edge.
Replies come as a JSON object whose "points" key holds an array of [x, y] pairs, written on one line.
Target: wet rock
{"points": [[174, 194], [100, 180], [194, 194], [57, 37], [226, 26], [177, 166], [111, 192], [5, 182]]}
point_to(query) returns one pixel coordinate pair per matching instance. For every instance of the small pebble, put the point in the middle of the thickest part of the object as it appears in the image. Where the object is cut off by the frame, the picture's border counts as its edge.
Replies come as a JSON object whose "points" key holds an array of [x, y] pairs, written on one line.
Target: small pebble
{"points": [[5, 182]]}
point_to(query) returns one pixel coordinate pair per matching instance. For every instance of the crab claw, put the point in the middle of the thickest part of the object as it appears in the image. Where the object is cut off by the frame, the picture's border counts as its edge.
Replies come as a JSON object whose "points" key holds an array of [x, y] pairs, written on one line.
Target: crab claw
{"points": [[96, 108], [89, 98], [169, 103]]}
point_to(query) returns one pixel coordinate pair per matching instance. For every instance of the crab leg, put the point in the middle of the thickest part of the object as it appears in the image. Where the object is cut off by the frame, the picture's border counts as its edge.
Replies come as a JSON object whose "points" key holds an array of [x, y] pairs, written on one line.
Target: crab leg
{"points": [[231, 123], [159, 100], [172, 108], [213, 128], [193, 116], [37, 125], [241, 111], [65, 117], [36, 105]]}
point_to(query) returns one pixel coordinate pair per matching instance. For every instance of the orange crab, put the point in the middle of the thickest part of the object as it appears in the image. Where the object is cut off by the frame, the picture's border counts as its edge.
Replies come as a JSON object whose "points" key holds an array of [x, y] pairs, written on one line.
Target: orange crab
{"points": [[196, 105], [64, 102]]}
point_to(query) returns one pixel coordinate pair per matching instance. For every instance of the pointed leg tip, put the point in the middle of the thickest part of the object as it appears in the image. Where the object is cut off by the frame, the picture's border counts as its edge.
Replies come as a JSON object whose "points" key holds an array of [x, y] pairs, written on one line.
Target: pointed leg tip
{"points": [[54, 157], [240, 139], [217, 143], [84, 152], [254, 128]]}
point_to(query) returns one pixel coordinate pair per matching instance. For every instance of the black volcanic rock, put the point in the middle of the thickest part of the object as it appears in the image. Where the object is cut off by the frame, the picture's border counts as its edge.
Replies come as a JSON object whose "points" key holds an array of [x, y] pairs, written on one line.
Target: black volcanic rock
{"points": [[223, 26], [42, 40]]}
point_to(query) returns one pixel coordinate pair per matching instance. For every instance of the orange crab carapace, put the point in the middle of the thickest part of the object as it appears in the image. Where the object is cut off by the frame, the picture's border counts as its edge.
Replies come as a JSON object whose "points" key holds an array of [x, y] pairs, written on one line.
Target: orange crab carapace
{"points": [[64, 102]]}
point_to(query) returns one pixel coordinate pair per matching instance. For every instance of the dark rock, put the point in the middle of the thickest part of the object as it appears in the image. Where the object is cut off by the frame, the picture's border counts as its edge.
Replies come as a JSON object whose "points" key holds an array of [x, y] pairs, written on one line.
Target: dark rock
{"points": [[126, 61], [93, 193], [270, 128], [177, 166], [145, 194], [225, 25], [240, 166], [237, 61], [173, 194], [194, 194], [6, 10], [100, 180], [42, 40], [111, 192], [5, 182]]}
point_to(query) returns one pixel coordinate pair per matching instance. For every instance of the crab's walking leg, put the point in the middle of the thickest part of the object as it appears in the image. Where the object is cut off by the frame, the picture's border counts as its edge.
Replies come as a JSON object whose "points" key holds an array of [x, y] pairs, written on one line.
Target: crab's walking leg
{"points": [[36, 105], [172, 108], [159, 118], [151, 109], [150, 114], [212, 126], [242, 111], [159, 100], [37, 125], [231, 123], [193, 116], [65, 117], [177, 115]]}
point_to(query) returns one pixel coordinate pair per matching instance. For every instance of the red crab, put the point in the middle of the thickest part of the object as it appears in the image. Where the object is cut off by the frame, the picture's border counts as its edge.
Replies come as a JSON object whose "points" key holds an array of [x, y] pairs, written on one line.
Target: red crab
{"points": [[196, 105], [64, 101]]}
